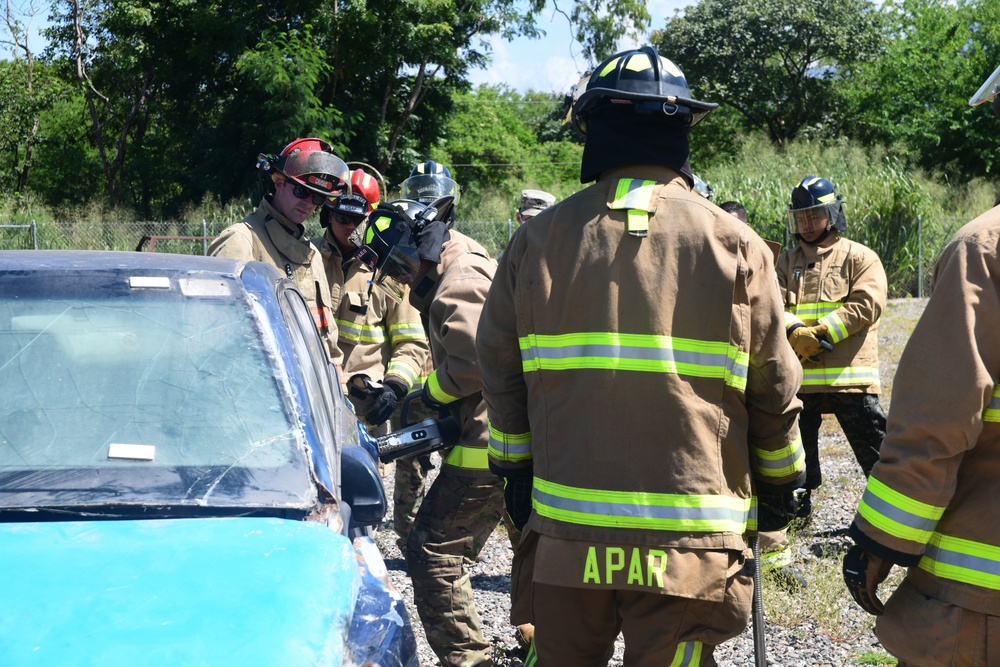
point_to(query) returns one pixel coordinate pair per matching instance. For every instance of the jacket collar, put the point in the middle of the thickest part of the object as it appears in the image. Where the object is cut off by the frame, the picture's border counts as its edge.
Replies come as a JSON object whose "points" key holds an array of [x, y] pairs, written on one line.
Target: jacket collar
{"points": [[299, 250]]}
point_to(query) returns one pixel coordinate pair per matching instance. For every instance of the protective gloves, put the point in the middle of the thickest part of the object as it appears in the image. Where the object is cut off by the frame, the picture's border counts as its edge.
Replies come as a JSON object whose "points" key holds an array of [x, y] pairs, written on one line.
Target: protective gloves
{"points": [[863, 572], [807, 341], [384, 402], [775, 509], [517, 498]]}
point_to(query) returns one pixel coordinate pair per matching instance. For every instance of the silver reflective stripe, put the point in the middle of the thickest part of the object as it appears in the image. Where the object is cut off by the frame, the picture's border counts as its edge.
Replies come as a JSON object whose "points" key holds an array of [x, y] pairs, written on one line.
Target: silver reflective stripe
{"points": [[898, 515], [958, 559], [626, 509], [704, 359]]}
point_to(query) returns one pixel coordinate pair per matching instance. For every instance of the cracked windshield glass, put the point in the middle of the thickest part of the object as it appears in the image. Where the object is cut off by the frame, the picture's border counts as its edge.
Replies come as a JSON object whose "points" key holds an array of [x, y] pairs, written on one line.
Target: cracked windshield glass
{"points": [[121, 389]]}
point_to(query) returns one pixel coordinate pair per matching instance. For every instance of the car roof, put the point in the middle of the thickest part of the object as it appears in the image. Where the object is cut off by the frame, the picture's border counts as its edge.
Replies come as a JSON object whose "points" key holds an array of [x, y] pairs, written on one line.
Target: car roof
{"points": [[97, 260]]}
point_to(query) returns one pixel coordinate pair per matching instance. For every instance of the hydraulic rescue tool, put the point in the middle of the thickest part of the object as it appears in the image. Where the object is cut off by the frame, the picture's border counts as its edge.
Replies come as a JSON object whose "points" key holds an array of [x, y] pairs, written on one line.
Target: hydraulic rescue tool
{"points": [[413, 439]]}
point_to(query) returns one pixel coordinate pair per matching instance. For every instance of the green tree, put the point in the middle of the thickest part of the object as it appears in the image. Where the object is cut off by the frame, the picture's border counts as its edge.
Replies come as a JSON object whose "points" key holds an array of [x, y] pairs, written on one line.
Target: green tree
{"points": [[938, 53], [777, 63]]}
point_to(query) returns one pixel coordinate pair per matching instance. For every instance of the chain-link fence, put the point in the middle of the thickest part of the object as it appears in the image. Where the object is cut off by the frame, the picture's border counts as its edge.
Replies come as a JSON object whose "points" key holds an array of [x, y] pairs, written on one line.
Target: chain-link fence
{"points": [[909, 269]]}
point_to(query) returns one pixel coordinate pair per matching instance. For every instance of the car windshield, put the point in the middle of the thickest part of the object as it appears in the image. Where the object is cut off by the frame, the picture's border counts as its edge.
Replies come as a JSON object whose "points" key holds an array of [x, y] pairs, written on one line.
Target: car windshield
{"points": [[124, 389]]}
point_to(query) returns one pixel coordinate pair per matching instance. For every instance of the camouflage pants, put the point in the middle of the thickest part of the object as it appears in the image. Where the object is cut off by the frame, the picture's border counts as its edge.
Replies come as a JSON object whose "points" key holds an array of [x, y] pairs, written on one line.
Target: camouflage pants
{"points": [[456, 519], [859, 415], [408, 493]]}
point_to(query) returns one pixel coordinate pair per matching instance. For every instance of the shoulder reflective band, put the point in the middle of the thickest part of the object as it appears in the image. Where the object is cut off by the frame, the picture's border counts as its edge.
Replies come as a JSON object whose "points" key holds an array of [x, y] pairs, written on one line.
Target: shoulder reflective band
{"points": [[356, 333], [468, 458], [810, 313], [688, 655], [634, 195], [898, 515], [635, 352], [785, 462], [962, 560], [510, 447], [835, 327], [992, 411], [645, 511], [839, 377]]}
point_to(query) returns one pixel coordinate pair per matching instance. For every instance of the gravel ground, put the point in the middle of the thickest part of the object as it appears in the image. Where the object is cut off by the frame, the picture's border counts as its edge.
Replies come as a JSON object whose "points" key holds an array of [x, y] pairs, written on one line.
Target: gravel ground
{"points": [[801, 631]]}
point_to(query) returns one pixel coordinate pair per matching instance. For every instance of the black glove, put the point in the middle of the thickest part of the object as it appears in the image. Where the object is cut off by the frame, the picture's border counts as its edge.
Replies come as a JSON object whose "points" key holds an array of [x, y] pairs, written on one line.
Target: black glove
{"points": [[517, 498], [863, 572], [428, 400], [384, 403], [775, 509]]}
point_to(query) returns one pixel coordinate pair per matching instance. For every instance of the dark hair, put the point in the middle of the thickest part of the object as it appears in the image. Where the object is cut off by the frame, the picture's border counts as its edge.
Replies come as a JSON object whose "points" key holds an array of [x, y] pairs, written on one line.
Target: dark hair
{"points": [[734, 208]]}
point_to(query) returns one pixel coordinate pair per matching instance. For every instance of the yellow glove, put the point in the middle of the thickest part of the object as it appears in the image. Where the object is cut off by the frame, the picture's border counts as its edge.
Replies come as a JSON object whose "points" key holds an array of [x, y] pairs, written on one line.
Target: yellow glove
{"points": [[806, 341]]}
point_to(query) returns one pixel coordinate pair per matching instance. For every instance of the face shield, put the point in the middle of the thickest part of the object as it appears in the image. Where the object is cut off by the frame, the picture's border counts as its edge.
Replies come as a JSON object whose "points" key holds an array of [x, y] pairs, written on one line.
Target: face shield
{"points": [[815, 219], [320, 171], [428, 187]]}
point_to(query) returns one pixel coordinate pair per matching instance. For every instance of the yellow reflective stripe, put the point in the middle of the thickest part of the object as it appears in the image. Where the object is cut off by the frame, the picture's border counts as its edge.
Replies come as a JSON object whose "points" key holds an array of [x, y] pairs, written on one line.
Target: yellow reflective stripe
{"points": [[406, 331], [360, 333], [835, 377], [835, 327], [791, 319], [635, 352], [784, 462], [634, 194], [402, 369], [418, 385], [810, 312], [470, 458], [897, 514], [510, 447], [532, 659], [641, 510], [992, 411], [688, 655], [963, 560], [437, 393]]}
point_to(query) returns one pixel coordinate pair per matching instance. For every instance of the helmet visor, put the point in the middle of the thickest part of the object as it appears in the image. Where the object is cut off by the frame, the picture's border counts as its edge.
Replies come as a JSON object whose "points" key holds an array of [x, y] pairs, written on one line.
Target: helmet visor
{"points": [[399, 270], [323, 172], [428, 187], [988, 90], [813, 219]]}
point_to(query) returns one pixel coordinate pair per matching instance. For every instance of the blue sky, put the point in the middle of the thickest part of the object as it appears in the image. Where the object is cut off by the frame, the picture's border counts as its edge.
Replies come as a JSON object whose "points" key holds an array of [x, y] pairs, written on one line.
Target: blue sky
{"points": [[553, 63]]}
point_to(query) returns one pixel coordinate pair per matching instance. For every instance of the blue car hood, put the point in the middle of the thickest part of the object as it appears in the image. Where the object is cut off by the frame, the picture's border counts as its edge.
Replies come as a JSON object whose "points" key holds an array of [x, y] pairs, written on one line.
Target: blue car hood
{"points": [[234, 591]]}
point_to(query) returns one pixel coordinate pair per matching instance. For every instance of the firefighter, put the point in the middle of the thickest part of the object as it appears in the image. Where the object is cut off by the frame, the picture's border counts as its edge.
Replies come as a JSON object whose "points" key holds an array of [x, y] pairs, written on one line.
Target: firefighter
{"points": [[426, 183], [930, 504], [382, 341], [532, 203], [834, 291], [305, 174], [448, 275], [638, 387]]}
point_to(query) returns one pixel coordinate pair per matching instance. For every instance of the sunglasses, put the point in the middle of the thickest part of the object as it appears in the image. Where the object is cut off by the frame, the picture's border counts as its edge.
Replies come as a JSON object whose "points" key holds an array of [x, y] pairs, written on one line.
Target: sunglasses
{"points": [[346, 219], [302, 192]]}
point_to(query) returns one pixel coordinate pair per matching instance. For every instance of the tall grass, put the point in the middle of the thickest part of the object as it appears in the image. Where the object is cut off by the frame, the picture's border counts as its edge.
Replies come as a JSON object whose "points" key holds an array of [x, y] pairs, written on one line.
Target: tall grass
{"points": [[903, 214], [887, 203]]}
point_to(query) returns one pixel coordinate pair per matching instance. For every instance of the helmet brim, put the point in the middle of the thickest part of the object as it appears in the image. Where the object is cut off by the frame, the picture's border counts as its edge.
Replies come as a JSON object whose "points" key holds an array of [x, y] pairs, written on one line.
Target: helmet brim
{"points": [[589, 99]]}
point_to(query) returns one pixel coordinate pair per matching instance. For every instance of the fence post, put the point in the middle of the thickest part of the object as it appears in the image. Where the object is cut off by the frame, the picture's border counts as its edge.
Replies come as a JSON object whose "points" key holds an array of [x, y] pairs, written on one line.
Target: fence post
{"points": [[204, 240], [920, 257], [34, 235]]}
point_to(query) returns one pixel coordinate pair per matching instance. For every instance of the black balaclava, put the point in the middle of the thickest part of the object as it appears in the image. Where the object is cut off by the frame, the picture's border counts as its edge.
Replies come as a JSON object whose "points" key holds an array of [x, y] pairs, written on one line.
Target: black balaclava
{"points": [[430, 239], [623, 138]]}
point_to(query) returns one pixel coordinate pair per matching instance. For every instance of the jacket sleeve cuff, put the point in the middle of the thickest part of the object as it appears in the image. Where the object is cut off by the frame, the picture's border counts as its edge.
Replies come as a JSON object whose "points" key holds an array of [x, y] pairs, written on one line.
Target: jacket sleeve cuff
{"points": [[882, 551]]}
